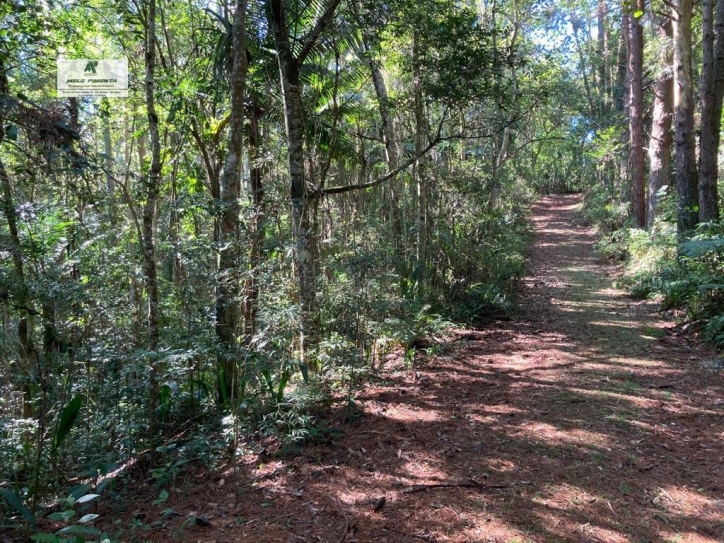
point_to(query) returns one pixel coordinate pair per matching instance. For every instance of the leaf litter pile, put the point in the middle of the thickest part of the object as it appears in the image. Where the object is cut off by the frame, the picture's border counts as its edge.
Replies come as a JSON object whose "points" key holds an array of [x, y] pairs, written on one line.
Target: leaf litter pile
{"points": [[589, 419]]}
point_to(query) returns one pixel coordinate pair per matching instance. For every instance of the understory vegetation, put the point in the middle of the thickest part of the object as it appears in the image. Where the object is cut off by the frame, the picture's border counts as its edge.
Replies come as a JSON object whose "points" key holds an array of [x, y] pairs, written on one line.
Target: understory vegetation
{"points": [[684, 278]]}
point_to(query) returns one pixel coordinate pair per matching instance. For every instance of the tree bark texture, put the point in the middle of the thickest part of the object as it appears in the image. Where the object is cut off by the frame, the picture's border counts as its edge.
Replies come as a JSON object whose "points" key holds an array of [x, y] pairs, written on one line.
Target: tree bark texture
{"points": [[392, 148], [710, 100], [294, 116], [153, 179], [661, 138], [603, 54], [229, 231], [251, 287], [582, 63], [636, 117], [686, 170], [420, 174], [621, 87]]}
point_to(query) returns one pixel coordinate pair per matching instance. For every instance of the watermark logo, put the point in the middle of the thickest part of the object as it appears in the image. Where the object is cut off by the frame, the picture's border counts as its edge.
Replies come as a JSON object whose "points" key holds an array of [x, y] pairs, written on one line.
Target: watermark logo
{"points": [[90, 77]]}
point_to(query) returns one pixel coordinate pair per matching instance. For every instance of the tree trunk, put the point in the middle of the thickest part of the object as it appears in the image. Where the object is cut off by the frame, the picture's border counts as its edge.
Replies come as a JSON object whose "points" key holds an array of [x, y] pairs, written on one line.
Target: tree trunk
{"points": [[582, 63], [420, 177], [302, 230], [294, 117], [227, 297], [686, 171], [27, 353], [256, 242], [661, 139], [392, 148], [107, 145], [711, 92], [153, 180], [175, 262], [621, 88], [636, 117], [602, 53]]}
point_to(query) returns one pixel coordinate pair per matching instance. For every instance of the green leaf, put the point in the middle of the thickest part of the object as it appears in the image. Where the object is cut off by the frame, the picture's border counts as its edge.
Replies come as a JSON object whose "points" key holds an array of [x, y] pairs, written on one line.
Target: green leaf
{"points": [[162, 497], [104, 483], [67, 418], [11, 132], [76, 529], [64, 516], [170, 513], [638, 14], [698, 248], [305, 371], [87, 518], [17, 504], [46, 538], [164, 394], [78, 491], [283, 380], [88, 498], [222, 387]]}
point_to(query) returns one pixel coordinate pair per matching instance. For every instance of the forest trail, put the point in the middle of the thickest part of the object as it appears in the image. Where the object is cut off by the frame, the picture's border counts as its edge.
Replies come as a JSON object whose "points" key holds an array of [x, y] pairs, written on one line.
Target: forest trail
{"points": [[587, 420]]}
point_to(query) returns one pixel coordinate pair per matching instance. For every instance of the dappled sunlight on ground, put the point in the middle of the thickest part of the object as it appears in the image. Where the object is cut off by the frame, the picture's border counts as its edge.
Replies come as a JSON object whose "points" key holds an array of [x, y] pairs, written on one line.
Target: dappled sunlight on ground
{"points": [[548, 433], [582, 422]]}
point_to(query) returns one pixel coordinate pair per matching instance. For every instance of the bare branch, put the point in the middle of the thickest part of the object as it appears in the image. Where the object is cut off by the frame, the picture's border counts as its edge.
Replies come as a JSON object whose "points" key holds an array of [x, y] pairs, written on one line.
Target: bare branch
{"points": [[389, 175]]}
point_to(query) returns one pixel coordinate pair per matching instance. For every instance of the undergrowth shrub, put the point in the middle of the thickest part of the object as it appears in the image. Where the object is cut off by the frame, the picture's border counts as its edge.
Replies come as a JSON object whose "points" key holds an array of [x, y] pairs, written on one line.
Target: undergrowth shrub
{"points": [[602, 208], [688, 276]]}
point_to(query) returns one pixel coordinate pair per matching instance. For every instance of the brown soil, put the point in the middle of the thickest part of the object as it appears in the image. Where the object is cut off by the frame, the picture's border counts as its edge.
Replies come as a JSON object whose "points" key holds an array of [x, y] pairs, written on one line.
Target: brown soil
{"points": [[588, 420]]}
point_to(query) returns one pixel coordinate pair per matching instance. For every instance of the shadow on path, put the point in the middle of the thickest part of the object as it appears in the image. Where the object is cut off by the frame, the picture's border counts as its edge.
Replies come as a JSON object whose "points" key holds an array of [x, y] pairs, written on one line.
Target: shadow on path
{"points": [[582, 422]]}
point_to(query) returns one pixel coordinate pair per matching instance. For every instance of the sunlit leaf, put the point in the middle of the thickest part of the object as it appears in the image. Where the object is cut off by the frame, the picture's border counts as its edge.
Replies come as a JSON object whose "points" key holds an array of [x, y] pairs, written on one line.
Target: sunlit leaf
{"points": [[67, 418], [17, 504]]}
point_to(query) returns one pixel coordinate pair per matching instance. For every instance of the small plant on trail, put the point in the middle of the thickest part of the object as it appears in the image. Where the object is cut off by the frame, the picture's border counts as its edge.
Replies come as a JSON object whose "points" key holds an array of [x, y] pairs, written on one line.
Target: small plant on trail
{"points": [[76, 503]]}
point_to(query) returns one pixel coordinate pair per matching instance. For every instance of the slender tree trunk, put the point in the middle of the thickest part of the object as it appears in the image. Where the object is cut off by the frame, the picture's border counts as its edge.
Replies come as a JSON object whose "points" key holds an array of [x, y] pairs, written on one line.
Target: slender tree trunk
{"points": [[27, 352], [153, 181], [227, 298], [420, 174], [107, 145], [251, 287], [621, 88], [301, 199], [636, 117], [300, 210], [602, 53], [176, 264], [8, 206], [661, 138], [582, 63], [600, 50], [392, 148], [686, 171], [623, 101], [710, 99]]}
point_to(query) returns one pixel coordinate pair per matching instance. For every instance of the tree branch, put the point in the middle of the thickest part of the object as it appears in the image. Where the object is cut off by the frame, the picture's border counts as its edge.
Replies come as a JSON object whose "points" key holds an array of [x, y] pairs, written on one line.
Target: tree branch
{"points": [[389, 175], [674, 9]]}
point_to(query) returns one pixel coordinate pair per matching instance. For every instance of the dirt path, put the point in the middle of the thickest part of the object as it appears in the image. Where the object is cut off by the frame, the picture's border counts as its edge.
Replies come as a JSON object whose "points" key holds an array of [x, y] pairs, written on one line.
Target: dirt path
{"points": [[584, 421]]}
